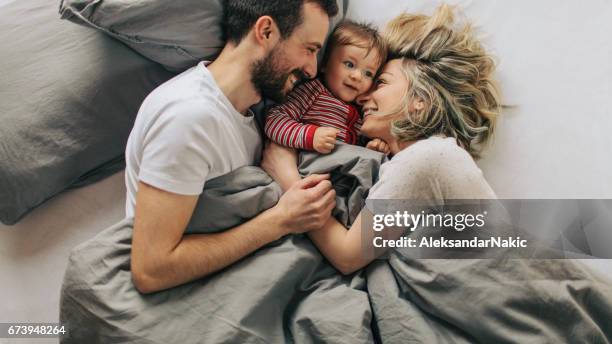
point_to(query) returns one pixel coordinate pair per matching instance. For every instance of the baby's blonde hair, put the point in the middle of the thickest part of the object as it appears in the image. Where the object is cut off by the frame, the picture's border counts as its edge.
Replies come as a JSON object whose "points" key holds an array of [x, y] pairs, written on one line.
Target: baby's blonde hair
{"points": [[362, 35], [450, 71]]}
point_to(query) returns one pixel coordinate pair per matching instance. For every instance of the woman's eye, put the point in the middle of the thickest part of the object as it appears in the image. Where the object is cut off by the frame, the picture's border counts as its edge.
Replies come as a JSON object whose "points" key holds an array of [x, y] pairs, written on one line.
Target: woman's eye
{"points": [[349, 64], [379, 82]]}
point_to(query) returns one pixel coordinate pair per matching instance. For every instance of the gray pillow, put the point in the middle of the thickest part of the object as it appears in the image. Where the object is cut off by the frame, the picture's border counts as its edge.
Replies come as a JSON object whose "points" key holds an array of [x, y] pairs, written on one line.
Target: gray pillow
{"points": [[68, 99], [176, 34]]}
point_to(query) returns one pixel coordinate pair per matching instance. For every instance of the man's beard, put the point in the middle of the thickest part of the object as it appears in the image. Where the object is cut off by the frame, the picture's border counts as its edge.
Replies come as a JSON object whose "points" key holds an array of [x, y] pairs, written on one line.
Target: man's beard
{"points": [[269, 80]]}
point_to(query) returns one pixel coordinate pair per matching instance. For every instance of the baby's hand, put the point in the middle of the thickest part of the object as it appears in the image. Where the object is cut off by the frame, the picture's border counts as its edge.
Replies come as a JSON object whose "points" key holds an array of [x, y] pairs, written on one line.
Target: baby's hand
{"points": [[325, 139], [379, 146]]}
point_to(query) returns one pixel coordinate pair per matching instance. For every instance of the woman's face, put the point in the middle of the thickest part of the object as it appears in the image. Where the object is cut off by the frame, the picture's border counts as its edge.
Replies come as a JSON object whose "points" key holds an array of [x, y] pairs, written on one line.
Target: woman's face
{"points": [[386, 96]]}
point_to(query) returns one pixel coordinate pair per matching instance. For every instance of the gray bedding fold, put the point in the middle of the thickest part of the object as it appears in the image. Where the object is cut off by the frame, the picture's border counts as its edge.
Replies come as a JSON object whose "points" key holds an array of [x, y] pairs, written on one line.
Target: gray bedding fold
{"points": [[489, 301], [287, 292]]}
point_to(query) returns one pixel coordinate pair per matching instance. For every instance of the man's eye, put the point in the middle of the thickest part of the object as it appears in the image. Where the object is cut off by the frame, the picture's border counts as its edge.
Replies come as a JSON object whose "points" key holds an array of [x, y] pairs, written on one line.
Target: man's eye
{"points": [[349, 64], [312, 50]]}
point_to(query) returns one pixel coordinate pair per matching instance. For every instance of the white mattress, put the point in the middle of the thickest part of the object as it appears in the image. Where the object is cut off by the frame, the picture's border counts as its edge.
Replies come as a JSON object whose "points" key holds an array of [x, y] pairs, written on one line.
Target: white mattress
{"points": [[34, 252], [555, 67]]}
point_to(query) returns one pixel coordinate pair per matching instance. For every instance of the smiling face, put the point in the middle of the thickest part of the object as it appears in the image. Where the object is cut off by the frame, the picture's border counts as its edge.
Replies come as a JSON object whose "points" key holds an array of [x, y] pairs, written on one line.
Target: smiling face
{"points": [[294, 59], [350, 71], [380, 106]]}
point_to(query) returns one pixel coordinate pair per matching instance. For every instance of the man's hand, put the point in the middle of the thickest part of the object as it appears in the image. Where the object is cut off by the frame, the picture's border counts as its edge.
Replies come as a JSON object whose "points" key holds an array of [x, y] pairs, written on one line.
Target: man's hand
{"points": [[379, 146], [325, 139], [307, 204]]}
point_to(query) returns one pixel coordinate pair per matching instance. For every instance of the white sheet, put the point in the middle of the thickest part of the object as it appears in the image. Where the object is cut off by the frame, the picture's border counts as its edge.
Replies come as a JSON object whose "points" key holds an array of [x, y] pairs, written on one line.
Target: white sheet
{"points": [[555, 67], [34, 252]]}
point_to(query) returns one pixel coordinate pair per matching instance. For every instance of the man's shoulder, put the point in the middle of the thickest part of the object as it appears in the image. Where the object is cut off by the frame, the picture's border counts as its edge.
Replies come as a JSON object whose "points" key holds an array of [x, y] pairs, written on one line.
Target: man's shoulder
{"points": [[188, 94]]}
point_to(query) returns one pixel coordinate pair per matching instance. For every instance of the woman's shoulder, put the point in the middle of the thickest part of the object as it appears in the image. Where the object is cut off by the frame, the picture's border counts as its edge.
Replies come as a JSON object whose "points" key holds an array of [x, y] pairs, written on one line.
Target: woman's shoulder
{"points": [[435, 153], [434, 168]]}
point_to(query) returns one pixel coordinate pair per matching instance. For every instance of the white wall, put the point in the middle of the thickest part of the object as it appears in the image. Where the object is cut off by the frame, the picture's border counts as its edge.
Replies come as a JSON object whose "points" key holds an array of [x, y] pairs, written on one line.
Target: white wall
{"points": [[556, 69]]}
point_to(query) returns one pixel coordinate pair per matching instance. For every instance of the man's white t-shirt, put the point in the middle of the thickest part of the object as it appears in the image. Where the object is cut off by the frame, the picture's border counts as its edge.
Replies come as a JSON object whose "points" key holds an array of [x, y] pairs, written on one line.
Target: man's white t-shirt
{"points": [[186, 133]]}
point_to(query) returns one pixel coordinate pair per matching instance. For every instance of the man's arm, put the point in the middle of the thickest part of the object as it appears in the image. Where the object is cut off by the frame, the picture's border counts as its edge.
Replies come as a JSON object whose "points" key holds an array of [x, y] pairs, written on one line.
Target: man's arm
{"points": [[163, 257]]}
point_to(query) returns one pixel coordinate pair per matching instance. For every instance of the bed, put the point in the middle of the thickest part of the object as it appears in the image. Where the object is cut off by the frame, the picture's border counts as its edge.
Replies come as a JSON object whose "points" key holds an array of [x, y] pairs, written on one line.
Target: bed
{"points": [[553, 140]]}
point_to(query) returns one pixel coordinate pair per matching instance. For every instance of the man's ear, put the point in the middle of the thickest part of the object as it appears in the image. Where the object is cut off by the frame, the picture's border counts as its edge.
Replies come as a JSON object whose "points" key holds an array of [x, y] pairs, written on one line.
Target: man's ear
{"points": [[266, 32]]}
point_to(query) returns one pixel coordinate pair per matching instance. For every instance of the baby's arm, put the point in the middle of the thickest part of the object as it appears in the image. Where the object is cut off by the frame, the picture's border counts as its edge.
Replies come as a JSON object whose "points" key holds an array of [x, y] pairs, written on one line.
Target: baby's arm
{"points": [[281, 164], [284, 122], [325, 139]]}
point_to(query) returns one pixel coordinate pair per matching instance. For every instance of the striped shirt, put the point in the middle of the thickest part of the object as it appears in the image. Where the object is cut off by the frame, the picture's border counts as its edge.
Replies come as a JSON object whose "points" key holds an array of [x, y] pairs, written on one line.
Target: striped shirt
{"points": [[309, 106]]}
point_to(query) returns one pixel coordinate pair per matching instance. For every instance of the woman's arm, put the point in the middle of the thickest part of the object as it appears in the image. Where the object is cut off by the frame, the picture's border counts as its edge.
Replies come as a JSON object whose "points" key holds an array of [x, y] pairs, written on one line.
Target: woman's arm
{"points": [[351, 249], [342, 247]]}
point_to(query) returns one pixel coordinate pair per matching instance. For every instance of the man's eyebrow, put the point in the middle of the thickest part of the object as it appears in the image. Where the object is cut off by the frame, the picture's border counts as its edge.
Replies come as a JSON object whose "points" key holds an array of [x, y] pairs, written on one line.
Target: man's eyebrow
{"points": [[315, 44]]}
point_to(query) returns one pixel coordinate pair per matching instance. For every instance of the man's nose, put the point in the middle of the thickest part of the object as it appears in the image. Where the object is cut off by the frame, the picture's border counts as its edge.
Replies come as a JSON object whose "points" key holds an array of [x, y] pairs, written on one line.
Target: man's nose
{"points": [[311, 67], [363, 99]]}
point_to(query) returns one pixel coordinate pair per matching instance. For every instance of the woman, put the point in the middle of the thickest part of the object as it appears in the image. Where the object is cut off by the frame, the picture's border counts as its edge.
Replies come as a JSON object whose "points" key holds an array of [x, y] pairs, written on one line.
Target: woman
{"points": [[435, 104]]}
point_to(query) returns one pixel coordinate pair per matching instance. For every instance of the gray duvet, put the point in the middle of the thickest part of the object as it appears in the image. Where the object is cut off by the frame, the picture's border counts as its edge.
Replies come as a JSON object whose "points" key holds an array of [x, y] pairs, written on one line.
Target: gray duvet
{"points": [[287, 292]]}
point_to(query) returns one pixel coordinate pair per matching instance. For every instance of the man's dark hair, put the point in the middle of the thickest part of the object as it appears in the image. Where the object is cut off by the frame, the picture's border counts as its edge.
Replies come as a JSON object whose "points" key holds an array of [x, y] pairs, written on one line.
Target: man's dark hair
{"points": [[240, 15]]}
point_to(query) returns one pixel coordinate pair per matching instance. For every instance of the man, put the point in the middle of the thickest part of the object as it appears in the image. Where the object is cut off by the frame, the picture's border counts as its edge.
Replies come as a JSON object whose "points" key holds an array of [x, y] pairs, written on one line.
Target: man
{"points": [[198, 126]]}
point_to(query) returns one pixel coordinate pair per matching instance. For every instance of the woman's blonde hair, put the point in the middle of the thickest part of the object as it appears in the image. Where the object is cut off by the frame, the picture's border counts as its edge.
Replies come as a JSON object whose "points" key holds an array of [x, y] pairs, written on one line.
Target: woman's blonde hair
{"points": [[451, 73]]}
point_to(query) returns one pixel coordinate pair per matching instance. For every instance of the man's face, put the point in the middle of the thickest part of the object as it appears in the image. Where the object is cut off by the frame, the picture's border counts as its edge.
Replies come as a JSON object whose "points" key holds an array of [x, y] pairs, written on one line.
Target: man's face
{"points": [[292, 60]]}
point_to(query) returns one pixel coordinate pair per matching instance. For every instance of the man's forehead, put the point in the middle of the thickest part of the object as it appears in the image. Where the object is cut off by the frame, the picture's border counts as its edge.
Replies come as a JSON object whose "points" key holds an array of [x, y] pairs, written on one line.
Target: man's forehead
{"points": [[314, 27], [308, 41]]}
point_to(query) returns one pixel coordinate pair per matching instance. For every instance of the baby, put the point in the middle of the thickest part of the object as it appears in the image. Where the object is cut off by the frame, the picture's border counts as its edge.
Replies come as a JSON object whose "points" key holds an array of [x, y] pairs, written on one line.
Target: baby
{"points": [[319, 112]]}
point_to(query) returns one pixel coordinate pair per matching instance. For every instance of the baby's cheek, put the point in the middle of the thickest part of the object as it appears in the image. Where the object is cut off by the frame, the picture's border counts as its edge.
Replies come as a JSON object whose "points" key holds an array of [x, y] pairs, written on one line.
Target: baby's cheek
{"points": [[366, 85]]}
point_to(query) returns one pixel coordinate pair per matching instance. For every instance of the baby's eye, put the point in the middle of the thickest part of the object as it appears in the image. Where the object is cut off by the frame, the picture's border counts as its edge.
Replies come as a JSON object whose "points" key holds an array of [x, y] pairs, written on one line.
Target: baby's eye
{"points": [[349, 64], [369, 74]]}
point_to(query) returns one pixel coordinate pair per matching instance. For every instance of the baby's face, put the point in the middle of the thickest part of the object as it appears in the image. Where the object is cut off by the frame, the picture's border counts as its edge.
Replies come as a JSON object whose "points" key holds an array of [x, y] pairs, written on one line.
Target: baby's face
{"points": [[350, 71]]}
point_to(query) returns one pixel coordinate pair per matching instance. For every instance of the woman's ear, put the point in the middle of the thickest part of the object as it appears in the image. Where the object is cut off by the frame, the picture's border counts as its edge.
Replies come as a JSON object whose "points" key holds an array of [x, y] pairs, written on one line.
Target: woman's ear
{"points": [[419, 104]]}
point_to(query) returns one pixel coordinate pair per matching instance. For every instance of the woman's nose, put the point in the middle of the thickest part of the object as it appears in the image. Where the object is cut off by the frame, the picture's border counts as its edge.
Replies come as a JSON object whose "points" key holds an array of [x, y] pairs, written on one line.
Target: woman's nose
{"points": [[362, 99]]}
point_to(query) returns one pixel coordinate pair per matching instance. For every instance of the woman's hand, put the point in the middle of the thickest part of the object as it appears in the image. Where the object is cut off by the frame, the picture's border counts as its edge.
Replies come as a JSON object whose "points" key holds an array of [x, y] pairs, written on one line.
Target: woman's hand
{"points": [[379, 146], [281, 164]]}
